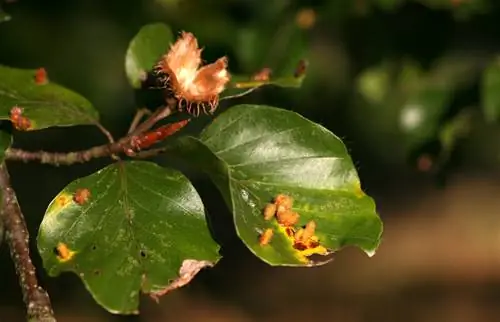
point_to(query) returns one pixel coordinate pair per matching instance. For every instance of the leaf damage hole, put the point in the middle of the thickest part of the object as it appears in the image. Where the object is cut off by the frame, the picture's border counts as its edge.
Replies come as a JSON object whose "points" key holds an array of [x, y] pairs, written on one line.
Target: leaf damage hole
{"points": [[97, 272], [143, 254], [94, 247]]}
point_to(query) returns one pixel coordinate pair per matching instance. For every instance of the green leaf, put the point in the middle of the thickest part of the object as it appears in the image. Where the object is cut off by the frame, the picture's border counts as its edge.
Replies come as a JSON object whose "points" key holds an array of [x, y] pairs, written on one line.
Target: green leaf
{"points": [[45, 105], [242, 85], [490, 88], [139, 226], [253, 153], [144, 51]]}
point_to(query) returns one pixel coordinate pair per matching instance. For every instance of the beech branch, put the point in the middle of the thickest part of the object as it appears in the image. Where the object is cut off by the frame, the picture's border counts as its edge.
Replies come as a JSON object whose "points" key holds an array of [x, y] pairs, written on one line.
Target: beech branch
{"points": [[106, 150], [35, 297]]}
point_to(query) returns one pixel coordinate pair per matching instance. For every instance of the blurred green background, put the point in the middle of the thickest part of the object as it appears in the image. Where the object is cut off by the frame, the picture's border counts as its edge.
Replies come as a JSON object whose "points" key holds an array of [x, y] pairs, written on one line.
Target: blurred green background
{"points": [[411, 88]]}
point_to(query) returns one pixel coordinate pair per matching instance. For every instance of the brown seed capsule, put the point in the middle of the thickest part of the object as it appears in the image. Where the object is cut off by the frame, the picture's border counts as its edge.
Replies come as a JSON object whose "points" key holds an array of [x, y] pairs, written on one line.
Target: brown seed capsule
{"points": [[269, 211], [265, 237], [81, 196], [195, 87], [287, 218]]}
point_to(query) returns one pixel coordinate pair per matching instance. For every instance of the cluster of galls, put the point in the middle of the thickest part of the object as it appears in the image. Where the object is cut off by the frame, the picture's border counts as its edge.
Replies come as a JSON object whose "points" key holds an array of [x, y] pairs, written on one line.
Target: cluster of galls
{"points": [[303, 239], [194, 88]]}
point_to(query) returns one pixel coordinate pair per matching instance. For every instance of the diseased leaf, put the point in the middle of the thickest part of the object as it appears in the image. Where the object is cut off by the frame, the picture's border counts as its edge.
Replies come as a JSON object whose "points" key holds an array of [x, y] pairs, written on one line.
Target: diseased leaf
{"points": [[128, 228], [254, 153], [242, 85], [144, 51], [44, 105]]}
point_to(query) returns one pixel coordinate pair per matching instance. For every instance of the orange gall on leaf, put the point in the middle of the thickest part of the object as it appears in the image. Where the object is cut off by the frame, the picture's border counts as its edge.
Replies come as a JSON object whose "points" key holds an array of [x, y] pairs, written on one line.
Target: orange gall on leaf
{"points": [[63, 252], [81, 196], [265, 237], [284, 201], [309, 231], [287, 218], [19, 121], [263, 75], [269, 211], [196, 89], [41, 76]]}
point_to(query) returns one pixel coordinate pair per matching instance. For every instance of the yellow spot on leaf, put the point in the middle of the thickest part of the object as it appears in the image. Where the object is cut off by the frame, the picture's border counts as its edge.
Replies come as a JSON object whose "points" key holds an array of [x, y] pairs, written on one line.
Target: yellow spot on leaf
{"points": [[64, 254], [63, 200], [358, 191]]}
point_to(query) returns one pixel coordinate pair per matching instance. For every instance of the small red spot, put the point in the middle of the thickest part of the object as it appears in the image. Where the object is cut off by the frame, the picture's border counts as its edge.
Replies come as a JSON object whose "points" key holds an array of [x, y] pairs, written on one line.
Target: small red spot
{"points": [[41, 76], [81, 196]]}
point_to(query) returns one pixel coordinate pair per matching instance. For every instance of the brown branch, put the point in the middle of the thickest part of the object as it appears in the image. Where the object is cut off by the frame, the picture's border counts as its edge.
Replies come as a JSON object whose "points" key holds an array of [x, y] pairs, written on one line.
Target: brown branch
{"points": [[105, 150], [16, 234]]}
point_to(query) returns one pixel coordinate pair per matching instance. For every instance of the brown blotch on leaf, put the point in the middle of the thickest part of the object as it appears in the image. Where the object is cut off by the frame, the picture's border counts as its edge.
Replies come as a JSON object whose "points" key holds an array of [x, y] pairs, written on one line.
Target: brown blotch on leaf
{"points": [[187, 271], [81, 196], [300, 246], [265, 237], [41, 76], [263, 75], [289, 231], [301, 68]]}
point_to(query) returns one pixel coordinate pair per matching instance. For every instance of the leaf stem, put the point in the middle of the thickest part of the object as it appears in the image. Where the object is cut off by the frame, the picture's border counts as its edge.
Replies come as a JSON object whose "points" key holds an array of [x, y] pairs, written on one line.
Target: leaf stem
{"points": [[35, 297], [105, 150], [137, 118]]}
